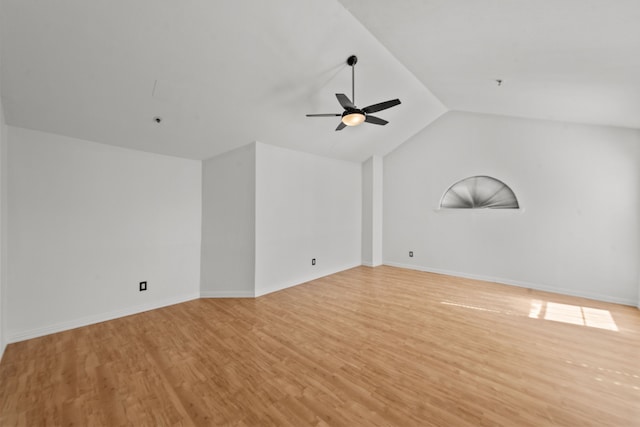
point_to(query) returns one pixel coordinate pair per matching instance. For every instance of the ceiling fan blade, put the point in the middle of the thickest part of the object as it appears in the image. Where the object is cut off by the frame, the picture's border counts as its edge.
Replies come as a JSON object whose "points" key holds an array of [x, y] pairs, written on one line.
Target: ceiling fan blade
{"points": [[341, 126], [375, 120], [381, 106], [344, 101], [324, 115]]}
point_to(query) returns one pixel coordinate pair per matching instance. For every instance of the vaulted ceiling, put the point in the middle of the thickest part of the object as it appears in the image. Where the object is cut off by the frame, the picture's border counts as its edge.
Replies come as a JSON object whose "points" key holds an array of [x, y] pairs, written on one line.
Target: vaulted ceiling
{"points": [[226, 73]]}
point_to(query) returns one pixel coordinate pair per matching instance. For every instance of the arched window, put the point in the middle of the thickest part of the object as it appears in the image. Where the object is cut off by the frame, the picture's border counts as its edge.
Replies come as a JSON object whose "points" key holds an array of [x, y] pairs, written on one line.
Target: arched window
{"points": [[479, 192]]}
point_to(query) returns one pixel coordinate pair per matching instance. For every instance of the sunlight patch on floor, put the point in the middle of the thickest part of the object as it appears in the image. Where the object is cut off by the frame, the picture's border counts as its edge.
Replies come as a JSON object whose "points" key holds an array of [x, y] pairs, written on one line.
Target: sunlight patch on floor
{"points": [[572, 314], [472, 307], [557, 312]]}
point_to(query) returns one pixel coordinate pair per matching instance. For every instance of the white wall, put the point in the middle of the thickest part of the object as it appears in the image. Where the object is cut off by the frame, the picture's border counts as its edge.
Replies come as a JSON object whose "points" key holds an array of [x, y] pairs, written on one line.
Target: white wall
{"points": [[372, 211], [306, 207], [87, 223], [3, 228], [579, 188], [228, 224], [367, 212]]}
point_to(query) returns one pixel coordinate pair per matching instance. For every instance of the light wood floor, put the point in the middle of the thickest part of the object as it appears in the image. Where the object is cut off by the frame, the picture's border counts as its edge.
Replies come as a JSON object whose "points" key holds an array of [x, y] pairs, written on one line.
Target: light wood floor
{"points": [[365, 347]]}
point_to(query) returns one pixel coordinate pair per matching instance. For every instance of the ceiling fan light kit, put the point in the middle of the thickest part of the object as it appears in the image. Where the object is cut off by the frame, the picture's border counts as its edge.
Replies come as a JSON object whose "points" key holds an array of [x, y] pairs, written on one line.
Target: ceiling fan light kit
{"points": [[352, 119], [352, 115]]}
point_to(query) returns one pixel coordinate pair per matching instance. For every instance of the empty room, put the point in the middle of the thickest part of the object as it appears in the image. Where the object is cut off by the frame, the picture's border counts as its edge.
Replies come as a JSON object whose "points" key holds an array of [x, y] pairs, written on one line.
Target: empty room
{"points": [[320, 213]]}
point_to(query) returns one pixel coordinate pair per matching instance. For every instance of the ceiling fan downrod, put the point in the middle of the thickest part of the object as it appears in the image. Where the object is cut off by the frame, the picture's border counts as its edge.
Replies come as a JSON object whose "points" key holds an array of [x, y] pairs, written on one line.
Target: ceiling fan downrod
{"points": [[352, 61]]}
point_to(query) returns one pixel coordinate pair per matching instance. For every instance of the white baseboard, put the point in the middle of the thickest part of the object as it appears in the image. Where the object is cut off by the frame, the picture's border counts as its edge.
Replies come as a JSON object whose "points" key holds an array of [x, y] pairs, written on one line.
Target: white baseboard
{"points": [[89, 320], [370, 264], [227, 294], [518, 283], [280, 286], [98, 318]]}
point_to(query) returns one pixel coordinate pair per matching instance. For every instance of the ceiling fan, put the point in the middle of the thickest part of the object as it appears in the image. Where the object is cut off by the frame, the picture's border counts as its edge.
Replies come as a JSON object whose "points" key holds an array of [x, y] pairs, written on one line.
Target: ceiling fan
{"points": [[352, 115]]}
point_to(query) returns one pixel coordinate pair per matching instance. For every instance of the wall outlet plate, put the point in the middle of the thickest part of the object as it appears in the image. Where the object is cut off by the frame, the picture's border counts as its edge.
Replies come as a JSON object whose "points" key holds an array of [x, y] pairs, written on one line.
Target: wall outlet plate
{"points": [[143, 286]]}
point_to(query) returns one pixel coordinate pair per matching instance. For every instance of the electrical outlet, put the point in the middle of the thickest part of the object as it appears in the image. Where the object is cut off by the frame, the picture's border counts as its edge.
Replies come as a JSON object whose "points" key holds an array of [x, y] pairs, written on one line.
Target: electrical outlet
{"points": [[410, 254], [313, 261], [143, 286]]}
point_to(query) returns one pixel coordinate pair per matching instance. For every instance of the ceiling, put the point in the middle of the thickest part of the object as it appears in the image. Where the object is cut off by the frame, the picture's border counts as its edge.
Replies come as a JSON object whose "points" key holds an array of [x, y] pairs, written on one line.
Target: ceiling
{"points": [[226, 73], [567, 60]]}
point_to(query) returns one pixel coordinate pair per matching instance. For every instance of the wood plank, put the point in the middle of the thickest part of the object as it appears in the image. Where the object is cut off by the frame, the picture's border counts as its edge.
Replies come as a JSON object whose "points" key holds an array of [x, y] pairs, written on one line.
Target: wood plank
{"points": [[368, 346]]}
